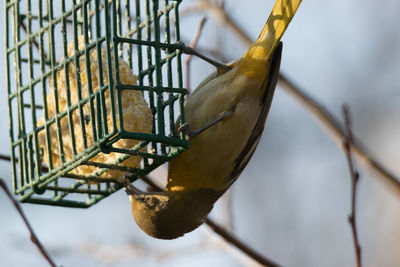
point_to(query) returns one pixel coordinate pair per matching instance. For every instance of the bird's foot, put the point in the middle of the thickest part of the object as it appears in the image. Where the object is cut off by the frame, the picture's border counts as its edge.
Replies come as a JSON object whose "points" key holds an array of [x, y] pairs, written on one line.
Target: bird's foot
{"points": [[190, 51], [190, 134], [128, 186]]}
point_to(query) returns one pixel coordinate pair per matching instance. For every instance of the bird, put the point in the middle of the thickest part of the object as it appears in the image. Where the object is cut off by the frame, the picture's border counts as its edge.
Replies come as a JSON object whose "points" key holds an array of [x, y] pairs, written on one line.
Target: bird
{"points": [[225, 117]]}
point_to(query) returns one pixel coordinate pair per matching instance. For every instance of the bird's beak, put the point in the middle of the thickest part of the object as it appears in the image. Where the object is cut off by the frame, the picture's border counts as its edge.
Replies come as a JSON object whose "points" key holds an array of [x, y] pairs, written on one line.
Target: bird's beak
{"points": [[129, 188]]}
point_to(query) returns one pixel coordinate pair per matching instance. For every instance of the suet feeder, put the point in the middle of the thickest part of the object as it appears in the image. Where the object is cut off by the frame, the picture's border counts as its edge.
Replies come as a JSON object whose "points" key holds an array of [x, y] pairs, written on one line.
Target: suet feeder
{"points": [[94, 90]]}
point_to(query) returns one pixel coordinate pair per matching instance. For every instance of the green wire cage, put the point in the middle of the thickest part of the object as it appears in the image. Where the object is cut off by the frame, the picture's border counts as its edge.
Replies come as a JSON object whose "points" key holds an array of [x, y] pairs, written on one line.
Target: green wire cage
{"points": [[94, 89]]}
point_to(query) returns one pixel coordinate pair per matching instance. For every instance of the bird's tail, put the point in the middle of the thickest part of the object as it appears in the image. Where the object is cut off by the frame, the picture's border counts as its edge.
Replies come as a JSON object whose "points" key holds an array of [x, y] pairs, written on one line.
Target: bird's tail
{"points": [[254, 60]]}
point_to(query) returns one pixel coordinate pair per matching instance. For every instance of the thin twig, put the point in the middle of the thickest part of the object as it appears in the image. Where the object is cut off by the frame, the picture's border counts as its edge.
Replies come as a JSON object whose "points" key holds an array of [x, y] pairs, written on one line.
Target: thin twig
{"points": [[33, 236], [219, 36], [355, 176], [220, 15], [226, 199], [22, 24], [5, 157], [231, 239], [227, 236], [193, 45], [336, 130], [332, 125]]}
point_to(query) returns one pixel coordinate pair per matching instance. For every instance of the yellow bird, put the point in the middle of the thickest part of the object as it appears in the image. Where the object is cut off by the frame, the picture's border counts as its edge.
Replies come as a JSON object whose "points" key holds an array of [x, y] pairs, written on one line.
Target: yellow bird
{"points": [[228, 110]]}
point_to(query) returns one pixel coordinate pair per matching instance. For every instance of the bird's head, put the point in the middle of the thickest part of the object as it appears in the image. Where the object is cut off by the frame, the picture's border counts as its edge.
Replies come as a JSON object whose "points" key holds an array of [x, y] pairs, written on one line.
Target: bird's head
{"points": [[169, 215]]}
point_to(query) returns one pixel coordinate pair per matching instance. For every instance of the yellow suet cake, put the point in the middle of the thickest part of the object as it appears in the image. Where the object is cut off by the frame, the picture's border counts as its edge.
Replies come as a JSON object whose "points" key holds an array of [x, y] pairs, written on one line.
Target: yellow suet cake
{"points": [[137, 116]]}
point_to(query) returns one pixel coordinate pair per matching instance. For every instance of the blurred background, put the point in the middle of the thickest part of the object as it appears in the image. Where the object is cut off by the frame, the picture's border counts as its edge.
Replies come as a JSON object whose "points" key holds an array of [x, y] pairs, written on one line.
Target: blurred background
{"points": [[292, 201]]}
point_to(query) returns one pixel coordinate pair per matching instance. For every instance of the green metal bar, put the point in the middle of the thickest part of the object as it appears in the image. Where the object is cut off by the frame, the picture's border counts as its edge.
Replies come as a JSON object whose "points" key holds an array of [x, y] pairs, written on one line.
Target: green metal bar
{"points": [[9, 90], [89, 18], [159, 96], [171, 101], [35, 172], [67, 81], [140, 58], [109, 68], [99, 119], [23, 170], [148, 23], [65, 203], [89, 74], [78, 191], [156, 138], [117, 80], [36, 106], [155, 44], [9, 3], [52, 45], [99, 188], [153, 67], [43, 83], [142, 154], [179, 68], [118, 27], [139, 48], [110, 166], [78, 77], [35, 61], [149, 63], [100, 69], [171, 98], [31, 166], [95, 178], [31, 162], [158, 90], [128, 28]]}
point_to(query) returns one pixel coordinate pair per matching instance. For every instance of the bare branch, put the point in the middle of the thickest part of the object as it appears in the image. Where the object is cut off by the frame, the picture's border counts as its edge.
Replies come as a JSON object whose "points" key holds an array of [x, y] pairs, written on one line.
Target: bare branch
{"points": [[332, 125], [220, 15], [335, 129], [227, 236], [231, 239], [5, 157], [355, 176], [33, 236], [227, 210]]}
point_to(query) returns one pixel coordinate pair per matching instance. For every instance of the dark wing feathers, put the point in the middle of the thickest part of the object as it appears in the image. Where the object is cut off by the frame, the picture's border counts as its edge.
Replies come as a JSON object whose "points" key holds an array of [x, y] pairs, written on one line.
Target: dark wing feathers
{"points": [[248, 150]]}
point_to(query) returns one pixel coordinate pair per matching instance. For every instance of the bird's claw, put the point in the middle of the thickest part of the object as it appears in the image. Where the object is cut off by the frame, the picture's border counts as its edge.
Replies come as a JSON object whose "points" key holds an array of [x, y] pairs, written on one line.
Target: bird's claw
{"points": [[221, 67], [190, 134], [128, 186]]}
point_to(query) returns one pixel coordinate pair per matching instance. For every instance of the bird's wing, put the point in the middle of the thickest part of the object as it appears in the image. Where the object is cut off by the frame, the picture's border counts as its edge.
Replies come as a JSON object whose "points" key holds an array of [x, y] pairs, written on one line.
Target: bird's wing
{"points": [[248, 150]]}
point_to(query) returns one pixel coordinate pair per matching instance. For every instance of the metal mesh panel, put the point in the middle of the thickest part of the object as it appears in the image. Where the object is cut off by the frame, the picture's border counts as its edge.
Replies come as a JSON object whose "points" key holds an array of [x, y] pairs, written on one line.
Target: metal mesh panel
{"points": [[83, 48]]}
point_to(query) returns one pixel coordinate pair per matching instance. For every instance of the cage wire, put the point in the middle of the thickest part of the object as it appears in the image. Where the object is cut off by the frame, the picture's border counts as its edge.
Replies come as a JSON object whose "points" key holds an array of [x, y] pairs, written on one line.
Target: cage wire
{"points": [[76, 72]]}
